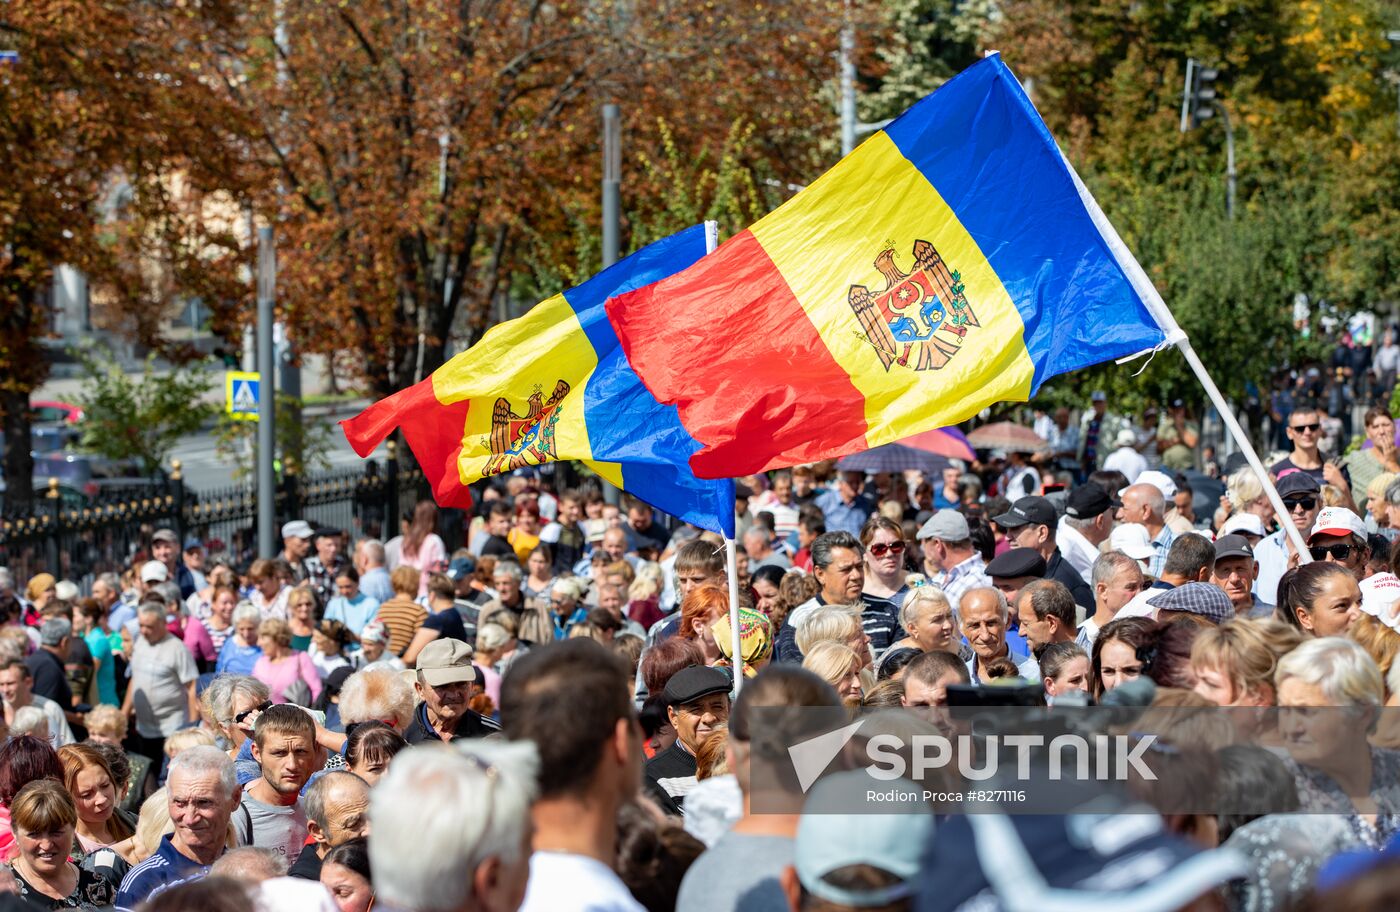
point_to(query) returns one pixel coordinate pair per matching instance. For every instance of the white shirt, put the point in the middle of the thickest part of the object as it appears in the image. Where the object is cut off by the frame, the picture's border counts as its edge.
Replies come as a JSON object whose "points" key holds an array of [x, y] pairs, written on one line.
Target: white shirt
{"points": [[1088, 633], [59, 732], [563, 882], [1272, 557], [1076, 549], [1126, 460]]}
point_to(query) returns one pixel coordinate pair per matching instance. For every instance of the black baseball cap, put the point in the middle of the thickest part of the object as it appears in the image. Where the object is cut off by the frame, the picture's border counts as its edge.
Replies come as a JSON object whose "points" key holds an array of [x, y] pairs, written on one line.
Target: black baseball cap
{"points": [[1232, 546], [1028, 510], [690, 684], [1016, 563], [1088, 501]]}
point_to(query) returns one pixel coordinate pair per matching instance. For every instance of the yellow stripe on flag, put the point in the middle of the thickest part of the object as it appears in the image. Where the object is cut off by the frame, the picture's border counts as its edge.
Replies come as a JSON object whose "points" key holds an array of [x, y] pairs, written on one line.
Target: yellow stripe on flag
{"points": [[535, 363], [875, 200]]}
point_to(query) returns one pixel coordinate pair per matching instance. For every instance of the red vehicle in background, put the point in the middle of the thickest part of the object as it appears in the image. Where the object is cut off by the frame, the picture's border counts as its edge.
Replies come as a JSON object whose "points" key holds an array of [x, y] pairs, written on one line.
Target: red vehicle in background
{"points": [[53, 412]]}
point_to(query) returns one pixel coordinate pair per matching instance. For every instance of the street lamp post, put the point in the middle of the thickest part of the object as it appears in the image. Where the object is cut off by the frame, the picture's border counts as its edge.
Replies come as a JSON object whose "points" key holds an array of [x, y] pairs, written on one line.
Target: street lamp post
{"points": [[267, 481]]}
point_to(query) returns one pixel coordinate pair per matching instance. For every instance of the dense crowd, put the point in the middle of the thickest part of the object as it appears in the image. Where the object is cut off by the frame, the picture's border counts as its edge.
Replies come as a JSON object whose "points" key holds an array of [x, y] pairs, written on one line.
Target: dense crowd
{"points": [[190, 734]]}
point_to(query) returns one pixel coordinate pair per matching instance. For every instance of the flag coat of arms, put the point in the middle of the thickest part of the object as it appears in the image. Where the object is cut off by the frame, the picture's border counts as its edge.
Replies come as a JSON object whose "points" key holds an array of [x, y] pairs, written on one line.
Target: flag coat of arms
{"points": [[953, 260], [551, 385]]}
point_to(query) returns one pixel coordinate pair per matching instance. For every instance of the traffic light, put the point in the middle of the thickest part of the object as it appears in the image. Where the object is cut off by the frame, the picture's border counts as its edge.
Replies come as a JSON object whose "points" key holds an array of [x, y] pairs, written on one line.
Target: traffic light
{"points": [[1198, 96]]}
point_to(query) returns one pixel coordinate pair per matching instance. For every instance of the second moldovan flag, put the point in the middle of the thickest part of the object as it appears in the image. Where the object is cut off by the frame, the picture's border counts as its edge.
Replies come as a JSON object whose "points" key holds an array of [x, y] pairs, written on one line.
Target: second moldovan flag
{"points": [[553, 385], [952, 261]]}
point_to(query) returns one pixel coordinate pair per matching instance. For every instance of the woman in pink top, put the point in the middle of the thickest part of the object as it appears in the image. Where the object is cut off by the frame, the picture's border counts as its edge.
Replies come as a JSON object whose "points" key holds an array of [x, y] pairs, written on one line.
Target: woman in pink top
{"points": [[280, 666], [204, 638], [422, 547]]}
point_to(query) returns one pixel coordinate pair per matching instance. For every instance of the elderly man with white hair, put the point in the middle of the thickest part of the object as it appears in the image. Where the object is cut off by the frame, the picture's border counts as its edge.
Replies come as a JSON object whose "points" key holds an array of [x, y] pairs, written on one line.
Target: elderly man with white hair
{"points": [[202, 792], [984, 613], [1146, 505], [478, 830]]}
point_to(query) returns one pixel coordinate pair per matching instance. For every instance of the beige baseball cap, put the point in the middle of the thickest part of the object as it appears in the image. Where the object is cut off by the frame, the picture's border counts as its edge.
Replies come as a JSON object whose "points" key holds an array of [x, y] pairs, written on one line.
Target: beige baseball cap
{"points": [[446, 661]]}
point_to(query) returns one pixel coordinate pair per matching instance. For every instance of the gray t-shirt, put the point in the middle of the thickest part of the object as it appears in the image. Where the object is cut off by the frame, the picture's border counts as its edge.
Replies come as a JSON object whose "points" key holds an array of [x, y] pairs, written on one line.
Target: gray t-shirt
{"points": [[275, 827], [739, 873], [159, 674]]}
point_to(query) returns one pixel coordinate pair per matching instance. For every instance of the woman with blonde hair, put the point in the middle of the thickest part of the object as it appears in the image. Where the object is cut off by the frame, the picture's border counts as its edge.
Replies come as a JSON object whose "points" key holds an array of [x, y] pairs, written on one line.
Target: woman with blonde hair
{"points": [[1378, 638], [837, 624], [1244, 493], [302, 605], [280, 666], [928, 620], [1377, 507], [838, 665], [1234, 664]]}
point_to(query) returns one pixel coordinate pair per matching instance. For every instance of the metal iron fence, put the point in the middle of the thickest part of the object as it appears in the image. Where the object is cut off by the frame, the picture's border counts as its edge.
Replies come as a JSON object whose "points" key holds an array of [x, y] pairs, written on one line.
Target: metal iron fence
{"points": [[77, 540]]}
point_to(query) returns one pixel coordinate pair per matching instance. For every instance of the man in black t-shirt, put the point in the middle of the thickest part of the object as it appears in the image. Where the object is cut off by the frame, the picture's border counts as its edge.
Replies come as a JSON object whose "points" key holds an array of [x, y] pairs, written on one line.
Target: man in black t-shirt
{"points": [[46, 665], [498, 519]]}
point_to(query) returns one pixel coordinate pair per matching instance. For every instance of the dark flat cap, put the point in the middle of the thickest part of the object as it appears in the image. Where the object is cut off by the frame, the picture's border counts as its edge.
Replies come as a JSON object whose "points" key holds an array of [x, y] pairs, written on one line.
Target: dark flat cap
{"points": [[1016, 563], [1298, 482], [690, 684], [1210, 602]]}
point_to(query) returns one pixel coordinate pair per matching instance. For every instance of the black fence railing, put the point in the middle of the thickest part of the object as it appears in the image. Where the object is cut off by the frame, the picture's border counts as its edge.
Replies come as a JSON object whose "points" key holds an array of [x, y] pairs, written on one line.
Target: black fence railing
{"points": [[78, 539]]}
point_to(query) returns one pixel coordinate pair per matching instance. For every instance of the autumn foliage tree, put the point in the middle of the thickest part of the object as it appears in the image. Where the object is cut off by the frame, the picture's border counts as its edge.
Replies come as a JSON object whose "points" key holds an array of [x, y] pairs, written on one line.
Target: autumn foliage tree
{"points": [[410, 155], [1305, 85], [105, 159]]}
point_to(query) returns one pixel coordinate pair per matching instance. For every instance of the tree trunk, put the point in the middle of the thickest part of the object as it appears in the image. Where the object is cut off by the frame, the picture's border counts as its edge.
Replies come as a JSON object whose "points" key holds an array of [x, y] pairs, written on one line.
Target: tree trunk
{"points": [[18, 461]]}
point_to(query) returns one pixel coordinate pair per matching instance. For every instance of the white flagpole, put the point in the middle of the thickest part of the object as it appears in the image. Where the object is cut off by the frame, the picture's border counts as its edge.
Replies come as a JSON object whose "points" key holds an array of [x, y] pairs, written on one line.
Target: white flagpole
{"points": [[1163, 315], [731, 551]]}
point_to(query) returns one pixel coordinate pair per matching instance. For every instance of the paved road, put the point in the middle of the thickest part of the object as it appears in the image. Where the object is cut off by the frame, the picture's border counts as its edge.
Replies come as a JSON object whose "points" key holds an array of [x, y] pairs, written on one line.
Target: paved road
{"points": [[204, 469]]}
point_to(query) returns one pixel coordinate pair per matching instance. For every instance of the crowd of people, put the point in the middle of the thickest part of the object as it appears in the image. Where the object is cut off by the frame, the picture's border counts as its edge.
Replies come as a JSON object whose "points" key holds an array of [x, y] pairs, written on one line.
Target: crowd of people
{"points": [[549, 718]]}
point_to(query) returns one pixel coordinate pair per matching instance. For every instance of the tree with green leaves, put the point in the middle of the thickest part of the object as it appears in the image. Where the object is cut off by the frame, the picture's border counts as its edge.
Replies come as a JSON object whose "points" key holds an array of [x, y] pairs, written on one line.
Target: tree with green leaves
{"points": [[141, 417], [1314, 129]]}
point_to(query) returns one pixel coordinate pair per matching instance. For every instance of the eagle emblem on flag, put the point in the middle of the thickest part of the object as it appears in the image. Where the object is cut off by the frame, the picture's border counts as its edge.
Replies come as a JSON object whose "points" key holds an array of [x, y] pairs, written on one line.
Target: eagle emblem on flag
{"points": [[920, 318], [528, 439]]}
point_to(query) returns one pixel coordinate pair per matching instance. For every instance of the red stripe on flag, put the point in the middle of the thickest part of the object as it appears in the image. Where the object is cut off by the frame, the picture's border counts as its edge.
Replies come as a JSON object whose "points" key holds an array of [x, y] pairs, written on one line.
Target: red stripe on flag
{"points": [[433, 431], [703, 339]]}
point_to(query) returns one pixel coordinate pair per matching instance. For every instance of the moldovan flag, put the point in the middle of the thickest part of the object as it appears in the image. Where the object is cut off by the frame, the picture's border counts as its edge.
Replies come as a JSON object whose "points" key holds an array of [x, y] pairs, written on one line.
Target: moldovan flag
{"points": [[952, 261], [551, 385]]}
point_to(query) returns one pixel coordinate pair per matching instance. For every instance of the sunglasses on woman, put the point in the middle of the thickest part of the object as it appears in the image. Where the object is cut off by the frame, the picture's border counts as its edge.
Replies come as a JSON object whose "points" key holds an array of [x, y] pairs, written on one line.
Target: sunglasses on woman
{"points": [[264, 707], [881, 549], [1338, 552]]}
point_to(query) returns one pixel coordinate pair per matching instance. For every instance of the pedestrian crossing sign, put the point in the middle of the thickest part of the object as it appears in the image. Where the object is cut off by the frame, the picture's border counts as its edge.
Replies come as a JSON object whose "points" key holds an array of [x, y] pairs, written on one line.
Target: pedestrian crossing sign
{"points": [[241, 395]]}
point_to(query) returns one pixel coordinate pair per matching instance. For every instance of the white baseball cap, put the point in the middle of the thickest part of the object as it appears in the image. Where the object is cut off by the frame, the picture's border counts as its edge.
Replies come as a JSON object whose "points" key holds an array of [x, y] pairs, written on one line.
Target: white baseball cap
{"points": [[154, 572], [1338, 521], [297, 528], [1159, 480], [1379, 593], [1133, 540], [1243, 524]]}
